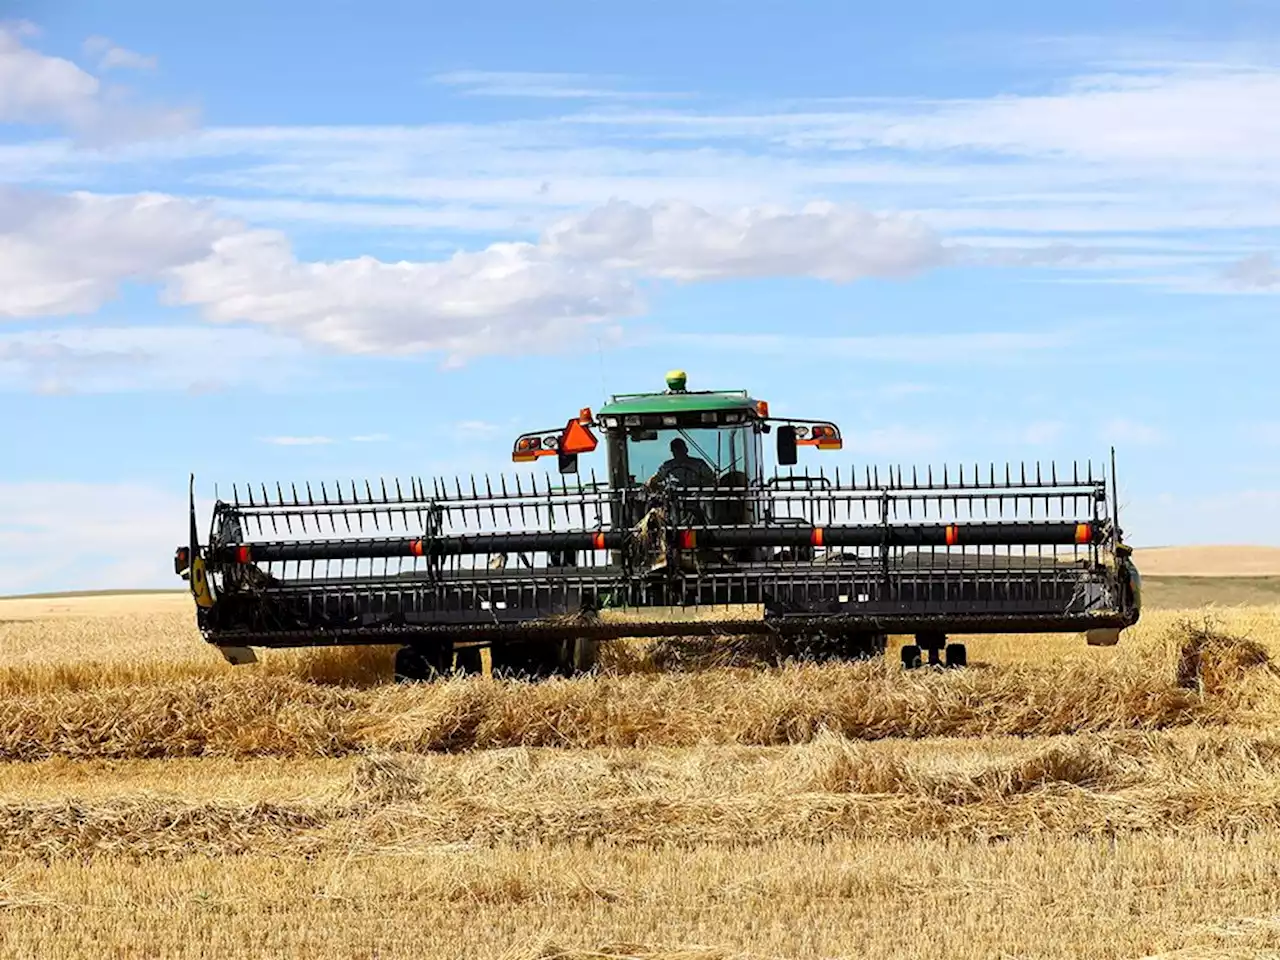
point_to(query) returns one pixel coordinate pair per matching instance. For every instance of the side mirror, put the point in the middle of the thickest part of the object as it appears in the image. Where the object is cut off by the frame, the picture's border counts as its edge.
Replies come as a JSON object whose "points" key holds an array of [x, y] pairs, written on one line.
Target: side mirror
{"points": [[568, 462], [787, 445]]}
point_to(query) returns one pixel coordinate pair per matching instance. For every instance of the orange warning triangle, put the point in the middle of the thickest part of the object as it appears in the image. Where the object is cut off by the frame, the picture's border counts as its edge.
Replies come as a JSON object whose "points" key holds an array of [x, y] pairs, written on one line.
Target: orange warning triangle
{"points": [[577, 438]]}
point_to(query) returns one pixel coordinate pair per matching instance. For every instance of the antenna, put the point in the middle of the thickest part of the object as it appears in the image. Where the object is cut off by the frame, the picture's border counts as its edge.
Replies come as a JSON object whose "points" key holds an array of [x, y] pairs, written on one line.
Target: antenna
{"points": [[1115, 496]]}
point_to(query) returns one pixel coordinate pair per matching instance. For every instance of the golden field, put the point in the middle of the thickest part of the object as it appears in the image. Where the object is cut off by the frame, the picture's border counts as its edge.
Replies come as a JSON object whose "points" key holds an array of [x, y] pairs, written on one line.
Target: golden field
{"points": [[1054, 800]]}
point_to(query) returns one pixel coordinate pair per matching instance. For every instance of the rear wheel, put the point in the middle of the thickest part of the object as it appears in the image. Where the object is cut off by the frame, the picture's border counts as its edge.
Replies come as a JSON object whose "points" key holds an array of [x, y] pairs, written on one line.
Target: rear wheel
{"points": [[932, 643], [467, 660], [423, 661], [910, 657], [582, 654], [529, 660], [866, 646], [957, 655], [539, 659]]}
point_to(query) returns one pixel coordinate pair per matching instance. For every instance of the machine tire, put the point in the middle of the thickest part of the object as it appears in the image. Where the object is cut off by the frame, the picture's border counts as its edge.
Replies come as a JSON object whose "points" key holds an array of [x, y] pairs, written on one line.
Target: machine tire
{"points": [[467, 660], [583, 653], [535, 660], [911, 657], [866, 646], [419, 662], [541, 659], [956, 655]]}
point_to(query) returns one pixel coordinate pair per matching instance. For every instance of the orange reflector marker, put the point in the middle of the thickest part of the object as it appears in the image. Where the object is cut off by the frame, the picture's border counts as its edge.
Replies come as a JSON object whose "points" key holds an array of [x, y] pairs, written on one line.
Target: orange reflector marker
{"points": [[243, 554], [1084, 533], [416, 548], [953, 534], [816, 536], [688, 539], [577, 438], [597, 541], [584, 416], [762, 408]]}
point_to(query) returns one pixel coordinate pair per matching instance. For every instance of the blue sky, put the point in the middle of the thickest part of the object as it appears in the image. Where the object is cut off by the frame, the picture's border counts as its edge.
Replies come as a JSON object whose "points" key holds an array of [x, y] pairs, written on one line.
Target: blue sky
{"points": [[332, 240]]}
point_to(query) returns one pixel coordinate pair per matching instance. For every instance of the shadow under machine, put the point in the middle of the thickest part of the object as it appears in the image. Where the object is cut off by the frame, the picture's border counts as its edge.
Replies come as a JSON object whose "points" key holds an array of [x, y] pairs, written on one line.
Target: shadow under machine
{"points": [[679, 530]]}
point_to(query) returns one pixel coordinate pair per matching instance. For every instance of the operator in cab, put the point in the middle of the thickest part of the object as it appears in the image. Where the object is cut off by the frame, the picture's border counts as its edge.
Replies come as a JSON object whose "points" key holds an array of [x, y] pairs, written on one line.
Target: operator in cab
{"points": [[686, 470]]}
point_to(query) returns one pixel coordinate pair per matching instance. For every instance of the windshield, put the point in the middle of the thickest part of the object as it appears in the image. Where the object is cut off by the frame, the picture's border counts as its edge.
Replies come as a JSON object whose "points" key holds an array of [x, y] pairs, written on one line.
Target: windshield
{"points": [[694, 456]]}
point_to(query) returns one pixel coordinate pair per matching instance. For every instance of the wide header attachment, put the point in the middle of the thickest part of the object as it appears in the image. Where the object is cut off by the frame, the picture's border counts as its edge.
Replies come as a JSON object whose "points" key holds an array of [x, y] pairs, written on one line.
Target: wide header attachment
{"points": [[682, 515]]}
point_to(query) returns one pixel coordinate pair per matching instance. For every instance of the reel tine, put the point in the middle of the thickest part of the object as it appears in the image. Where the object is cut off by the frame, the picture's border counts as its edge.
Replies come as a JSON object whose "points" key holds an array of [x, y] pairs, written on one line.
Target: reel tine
{"points": [[271, 515], [324, 497], [311, 502], [302, 516], [506, 497], [419, 495], [252, 519], [346, 514], [288, 523]]}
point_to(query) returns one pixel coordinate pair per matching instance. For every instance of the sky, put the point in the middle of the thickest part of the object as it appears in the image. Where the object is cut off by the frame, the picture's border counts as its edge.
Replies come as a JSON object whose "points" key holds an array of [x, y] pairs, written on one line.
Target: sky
{"points": [[329, 240]]}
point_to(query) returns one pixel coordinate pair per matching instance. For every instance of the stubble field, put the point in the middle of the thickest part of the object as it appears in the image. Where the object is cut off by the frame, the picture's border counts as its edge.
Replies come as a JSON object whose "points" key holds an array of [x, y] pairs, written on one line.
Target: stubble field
{"points": [[1053, 800]]}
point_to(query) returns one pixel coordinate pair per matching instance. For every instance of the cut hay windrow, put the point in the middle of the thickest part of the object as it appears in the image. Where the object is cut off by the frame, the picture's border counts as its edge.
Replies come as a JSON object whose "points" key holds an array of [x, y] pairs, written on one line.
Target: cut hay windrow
{"points": [[1095, 785], [269, 716], [144, 826]]}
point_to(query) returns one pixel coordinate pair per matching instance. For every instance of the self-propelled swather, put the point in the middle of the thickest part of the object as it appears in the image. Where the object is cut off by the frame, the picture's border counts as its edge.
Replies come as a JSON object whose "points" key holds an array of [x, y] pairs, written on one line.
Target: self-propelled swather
{"points": [[685, 533]]}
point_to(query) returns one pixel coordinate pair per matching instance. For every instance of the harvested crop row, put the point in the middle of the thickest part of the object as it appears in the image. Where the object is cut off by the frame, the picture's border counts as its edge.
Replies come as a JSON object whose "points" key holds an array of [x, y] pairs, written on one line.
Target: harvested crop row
{"points": [[280, 717], [1100, 784]]}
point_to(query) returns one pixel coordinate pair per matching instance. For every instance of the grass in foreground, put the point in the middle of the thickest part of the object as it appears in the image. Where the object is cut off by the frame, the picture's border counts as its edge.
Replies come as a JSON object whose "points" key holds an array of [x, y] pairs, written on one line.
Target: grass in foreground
{"points": [[1187, 896], [1055, 801]]}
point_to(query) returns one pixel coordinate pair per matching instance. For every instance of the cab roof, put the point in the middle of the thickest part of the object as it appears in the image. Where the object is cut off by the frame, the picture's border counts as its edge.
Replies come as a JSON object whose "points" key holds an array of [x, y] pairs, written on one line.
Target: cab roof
{"points": [[678, 402]]}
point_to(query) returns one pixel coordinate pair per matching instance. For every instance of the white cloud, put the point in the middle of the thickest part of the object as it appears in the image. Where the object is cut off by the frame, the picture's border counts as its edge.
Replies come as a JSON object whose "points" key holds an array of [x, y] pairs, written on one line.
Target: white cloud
{"points": [[68, 254], [62, 254], [1168, 114], [1124, 432], [684, 242], [36, 88], [129, 530], [109, 56], [948, 348], [1255, 270], [507, 298], [370, 438], [548, 86], [298, 441], [115, 359], [1153, 145]]}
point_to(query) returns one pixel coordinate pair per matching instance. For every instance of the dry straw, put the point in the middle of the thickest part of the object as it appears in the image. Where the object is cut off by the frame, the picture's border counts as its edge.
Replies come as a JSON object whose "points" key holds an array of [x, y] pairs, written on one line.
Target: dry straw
{"points": [[1198, 676]]}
